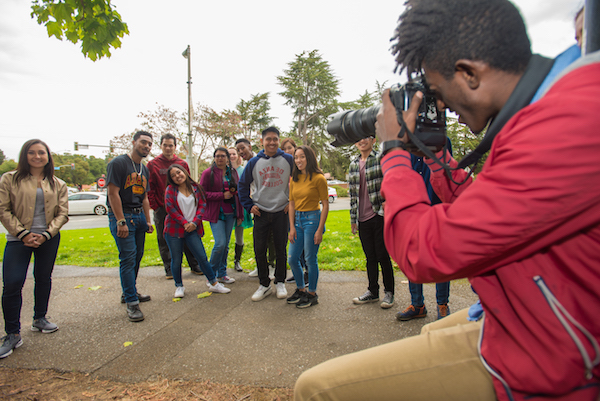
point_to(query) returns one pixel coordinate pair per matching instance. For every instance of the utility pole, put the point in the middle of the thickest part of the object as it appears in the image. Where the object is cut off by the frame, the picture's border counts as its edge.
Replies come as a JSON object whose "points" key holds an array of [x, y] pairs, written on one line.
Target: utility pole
{"points": [[190, 159]]}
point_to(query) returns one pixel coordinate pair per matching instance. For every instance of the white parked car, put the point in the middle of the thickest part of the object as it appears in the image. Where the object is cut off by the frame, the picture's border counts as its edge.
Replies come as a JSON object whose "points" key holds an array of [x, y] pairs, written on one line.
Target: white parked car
{"points": [[87, 203], [332, 194]]}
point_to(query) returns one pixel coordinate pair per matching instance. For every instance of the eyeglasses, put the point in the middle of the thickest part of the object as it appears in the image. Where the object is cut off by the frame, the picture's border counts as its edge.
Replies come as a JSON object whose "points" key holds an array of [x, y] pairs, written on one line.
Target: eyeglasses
{"points": [[220, 156]]}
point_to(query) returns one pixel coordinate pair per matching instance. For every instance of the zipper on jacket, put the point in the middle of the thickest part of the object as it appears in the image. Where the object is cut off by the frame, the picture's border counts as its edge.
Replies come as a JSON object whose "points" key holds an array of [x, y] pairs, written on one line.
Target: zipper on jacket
{"points": [[488, 367], [564, 318]]}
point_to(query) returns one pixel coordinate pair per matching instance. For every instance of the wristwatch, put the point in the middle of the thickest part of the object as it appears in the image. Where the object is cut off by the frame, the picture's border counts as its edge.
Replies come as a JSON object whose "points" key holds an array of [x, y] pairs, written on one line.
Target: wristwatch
{"points": [[389, 145], [121, 222]]}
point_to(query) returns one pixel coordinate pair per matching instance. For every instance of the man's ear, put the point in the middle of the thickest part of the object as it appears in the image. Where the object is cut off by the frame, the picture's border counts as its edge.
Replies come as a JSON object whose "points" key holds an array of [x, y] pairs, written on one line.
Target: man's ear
{"points": [[469, 71]]}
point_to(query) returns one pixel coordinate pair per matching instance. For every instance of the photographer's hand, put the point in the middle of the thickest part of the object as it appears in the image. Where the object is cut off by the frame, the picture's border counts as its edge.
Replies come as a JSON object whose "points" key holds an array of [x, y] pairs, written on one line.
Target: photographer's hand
{"points": [[387, 127]]}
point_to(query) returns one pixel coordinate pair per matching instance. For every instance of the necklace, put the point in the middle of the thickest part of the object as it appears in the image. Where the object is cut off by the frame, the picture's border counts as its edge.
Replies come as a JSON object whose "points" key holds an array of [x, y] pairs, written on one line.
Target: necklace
{"points": [[134, 169]]}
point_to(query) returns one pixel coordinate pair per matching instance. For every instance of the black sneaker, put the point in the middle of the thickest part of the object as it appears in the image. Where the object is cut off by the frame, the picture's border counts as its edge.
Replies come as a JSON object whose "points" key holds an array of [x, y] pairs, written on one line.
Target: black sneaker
{"points": [[307, 300], [366, 298], [290, 279], [10, 342], [295, 298], [168, 274], [134, 313], [141, 298]]}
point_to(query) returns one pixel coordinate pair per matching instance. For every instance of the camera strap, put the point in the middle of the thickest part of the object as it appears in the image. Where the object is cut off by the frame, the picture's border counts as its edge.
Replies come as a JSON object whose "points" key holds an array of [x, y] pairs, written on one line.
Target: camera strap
{"points": [[535, 73]]}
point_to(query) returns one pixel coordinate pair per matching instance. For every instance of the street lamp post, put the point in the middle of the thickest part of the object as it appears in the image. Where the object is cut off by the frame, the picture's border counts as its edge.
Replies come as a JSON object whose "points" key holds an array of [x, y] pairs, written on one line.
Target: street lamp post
{"points": [[190, 159]]}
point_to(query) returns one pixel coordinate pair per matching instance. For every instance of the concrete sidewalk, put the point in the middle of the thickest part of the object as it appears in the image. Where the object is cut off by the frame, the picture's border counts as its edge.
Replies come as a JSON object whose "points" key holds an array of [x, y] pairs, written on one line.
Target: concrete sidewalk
{"points": [[225, 338]]}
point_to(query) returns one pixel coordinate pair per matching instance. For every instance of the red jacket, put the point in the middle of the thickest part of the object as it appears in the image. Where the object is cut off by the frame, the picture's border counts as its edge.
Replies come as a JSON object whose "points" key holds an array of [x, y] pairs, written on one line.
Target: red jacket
{"points": [[526, 233], [158, 178]]}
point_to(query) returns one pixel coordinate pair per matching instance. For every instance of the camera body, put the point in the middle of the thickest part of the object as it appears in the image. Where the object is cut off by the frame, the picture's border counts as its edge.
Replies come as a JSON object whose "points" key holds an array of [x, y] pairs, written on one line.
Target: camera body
{"points": [[348, 127]]}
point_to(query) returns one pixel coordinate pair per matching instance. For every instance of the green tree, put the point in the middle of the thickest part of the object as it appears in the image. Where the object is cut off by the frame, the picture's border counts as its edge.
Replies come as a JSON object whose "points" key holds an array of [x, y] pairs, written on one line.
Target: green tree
{"points": [[94, 23], [310, 89], [463, 141], [2, 156], [8, 165], [254, 114]]}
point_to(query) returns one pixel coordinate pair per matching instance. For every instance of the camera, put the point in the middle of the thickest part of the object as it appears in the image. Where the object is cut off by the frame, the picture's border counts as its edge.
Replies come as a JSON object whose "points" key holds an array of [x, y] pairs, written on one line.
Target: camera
{"points": [[348, 127]]}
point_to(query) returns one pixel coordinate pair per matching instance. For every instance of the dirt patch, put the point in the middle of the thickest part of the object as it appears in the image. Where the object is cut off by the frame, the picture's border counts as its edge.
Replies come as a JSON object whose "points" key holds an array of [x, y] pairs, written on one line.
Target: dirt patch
{"points": [[47, 385]]}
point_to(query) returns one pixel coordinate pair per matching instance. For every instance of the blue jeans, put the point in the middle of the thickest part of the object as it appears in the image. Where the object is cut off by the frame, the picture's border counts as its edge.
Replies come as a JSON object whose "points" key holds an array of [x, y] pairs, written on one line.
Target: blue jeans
{"points": [[221, 231], [442, 293], [14, 273], [306, 224], [131, 251], [195, 245]]}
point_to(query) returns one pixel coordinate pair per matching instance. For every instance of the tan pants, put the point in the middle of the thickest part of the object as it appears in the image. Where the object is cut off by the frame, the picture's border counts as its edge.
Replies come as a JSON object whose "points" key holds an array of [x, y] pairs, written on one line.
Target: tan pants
{"points": [[441, 363]]}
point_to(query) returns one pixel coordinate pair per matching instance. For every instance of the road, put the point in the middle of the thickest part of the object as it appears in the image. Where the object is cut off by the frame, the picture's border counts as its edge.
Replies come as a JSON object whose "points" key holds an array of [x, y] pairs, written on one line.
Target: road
{"points": [[93, 221]]}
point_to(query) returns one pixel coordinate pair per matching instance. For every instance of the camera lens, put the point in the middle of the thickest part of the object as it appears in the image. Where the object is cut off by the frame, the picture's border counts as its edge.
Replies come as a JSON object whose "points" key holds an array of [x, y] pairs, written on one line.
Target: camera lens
{"points": [[348, 127]]}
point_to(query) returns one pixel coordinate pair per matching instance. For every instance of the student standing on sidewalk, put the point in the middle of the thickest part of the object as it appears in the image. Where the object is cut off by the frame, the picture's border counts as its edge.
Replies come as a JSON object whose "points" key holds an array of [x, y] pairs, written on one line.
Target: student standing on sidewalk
{"points": [[236, 163], [157, 168], [245, 153], [129, 217], [33, 208], [223, 209], [269, 172], [185, 204], [366, 217], [307, 223]]}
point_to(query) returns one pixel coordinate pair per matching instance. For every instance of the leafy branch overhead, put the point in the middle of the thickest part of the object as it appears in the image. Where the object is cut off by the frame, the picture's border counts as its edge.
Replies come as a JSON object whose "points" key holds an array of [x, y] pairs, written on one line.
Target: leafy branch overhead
{"points": [[94, 23]]}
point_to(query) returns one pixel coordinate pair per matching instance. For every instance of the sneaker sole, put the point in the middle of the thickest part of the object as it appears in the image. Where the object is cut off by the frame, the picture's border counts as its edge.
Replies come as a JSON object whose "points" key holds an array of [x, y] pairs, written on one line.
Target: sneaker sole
{"points": [[137, 319], [282, 295], [266, 294], [33, 328], [308, 305], [359, 302], [386, 305], [404, 319], [17, 345]]}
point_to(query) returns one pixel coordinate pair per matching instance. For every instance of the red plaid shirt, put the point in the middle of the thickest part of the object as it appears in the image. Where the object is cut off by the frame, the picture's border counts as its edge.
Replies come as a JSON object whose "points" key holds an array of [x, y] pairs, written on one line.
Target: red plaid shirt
{"points": [[175, 221]]}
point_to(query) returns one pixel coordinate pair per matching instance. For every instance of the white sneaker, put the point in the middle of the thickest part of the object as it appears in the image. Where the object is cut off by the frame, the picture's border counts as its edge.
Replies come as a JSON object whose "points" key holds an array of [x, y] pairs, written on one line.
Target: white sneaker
{"points": [[281, 291], [226, 280], [261, 293], [272, 272], [218, 288], [179, 292], [253, 273]]}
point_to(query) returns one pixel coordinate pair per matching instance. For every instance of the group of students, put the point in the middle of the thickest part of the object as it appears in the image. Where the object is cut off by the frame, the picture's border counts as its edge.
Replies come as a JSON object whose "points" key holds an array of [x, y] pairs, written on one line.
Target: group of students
{"points": [[286, 192]]}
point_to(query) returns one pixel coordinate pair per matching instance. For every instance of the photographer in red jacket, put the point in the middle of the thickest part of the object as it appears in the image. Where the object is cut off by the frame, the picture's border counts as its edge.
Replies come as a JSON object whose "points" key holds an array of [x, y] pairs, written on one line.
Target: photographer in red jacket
{"points": [[526, 232]]}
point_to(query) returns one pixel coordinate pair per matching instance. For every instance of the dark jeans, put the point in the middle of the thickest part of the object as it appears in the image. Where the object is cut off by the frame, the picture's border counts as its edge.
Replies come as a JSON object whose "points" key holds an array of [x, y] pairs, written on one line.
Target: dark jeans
{"points": [[197, 247], [370, 233], [14, 272], [165, 255], [131, 251], [442, 293], [265, 224]]}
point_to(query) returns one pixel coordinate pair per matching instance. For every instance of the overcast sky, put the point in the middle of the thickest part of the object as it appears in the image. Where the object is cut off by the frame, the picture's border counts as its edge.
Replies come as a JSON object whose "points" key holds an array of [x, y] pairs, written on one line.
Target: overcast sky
{"points": [[48, 90]]}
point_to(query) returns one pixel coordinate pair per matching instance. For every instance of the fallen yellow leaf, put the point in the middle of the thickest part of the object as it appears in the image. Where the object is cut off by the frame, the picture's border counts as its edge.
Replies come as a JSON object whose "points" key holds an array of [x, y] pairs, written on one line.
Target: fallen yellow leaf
{"points": [[176, 299], [337, 250], [204, 294], [94, 288], [78, 286], [127, 343]]}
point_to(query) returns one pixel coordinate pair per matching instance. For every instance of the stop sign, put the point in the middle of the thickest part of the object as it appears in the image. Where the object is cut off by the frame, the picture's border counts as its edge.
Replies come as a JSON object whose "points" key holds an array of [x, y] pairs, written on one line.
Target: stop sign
{"points": [[101, 182]]}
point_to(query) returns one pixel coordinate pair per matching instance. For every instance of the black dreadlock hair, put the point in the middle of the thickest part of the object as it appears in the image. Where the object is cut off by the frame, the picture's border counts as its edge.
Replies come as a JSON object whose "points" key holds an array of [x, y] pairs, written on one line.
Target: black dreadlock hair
{"points": [[441, 32]]}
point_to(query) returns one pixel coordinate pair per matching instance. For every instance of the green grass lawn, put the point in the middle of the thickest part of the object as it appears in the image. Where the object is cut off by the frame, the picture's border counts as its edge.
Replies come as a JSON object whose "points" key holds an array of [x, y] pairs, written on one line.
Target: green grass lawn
{"points": [[340, 249]]}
